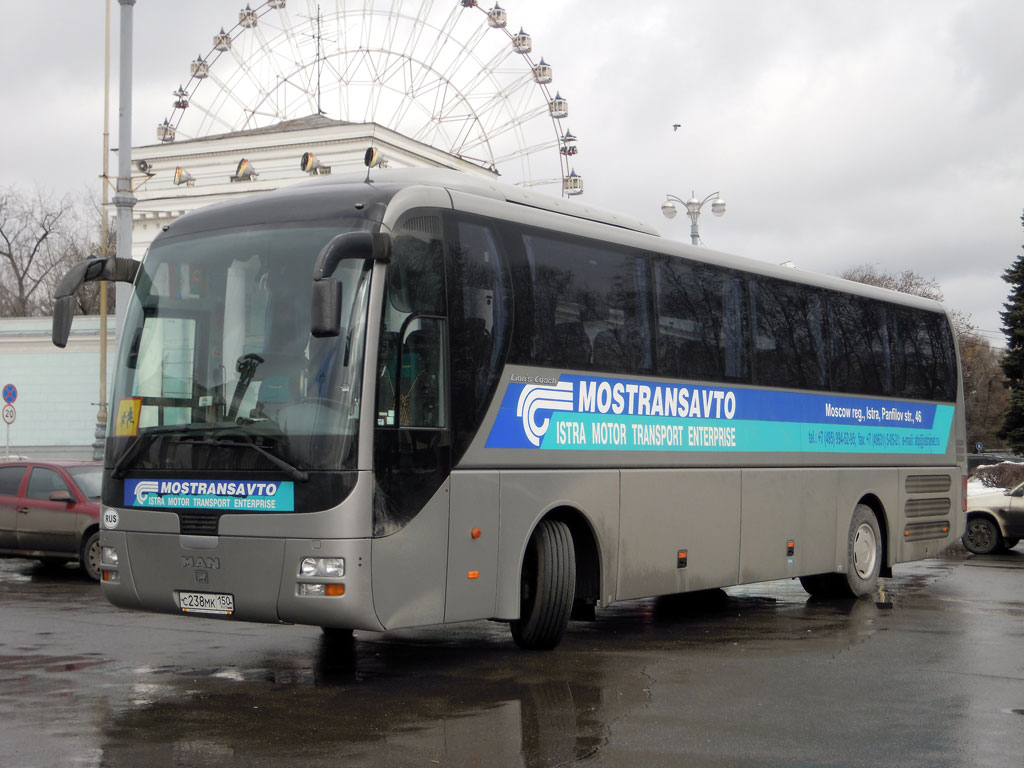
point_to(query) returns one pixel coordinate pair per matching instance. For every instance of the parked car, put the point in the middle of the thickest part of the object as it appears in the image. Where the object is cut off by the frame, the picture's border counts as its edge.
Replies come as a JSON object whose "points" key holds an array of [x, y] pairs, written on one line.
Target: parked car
{"points": [[995, 521], [50, 510]]}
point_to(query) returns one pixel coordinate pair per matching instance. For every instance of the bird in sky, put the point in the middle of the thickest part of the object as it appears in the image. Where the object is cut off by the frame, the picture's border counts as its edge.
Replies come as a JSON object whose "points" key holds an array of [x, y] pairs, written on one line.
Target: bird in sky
{"points": [[675, 126]]}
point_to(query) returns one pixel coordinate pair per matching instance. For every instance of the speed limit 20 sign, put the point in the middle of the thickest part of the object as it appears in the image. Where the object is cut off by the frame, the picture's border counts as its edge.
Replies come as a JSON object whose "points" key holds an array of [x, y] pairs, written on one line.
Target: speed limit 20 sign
{"points": [[9, 413]]}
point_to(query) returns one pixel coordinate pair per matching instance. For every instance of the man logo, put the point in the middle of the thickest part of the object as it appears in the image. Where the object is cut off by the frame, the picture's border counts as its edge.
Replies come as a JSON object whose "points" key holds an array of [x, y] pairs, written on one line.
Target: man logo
{"points": [[211, 563]]}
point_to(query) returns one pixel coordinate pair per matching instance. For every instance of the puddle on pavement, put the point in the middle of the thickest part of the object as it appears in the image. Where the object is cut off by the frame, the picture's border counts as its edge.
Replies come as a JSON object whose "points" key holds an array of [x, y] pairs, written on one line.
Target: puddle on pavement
{"points": [[459, 695], [377, 703], [436, 693]]}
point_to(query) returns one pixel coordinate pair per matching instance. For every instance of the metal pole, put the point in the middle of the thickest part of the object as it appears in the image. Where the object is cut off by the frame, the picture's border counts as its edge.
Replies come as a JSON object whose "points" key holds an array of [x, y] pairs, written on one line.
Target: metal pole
{"points": [[101, 413], [124, 198]]}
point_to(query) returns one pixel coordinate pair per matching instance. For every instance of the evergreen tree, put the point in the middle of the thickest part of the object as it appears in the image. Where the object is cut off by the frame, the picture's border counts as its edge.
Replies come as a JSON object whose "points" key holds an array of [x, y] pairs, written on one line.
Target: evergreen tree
{"points": [[1013, 360]]}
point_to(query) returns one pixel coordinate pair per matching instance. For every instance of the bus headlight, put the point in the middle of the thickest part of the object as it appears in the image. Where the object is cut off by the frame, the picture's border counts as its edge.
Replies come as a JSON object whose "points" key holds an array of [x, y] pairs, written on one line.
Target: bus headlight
{"points": [[330, 567], [108, 556]]}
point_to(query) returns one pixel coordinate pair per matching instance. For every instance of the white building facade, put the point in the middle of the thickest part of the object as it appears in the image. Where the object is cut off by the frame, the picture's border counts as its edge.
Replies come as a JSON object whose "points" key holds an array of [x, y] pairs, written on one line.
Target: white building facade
{"points": [[58, 390], [174, 177]]}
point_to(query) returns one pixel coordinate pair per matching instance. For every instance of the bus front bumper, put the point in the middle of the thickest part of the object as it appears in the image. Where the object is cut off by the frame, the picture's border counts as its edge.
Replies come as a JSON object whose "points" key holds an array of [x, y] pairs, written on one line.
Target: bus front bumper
{"points": [[322, 582]]}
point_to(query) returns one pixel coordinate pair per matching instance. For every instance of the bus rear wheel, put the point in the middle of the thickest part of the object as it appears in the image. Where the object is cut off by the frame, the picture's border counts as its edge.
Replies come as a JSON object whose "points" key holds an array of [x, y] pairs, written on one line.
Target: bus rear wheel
{"points": [[863, 561], [546, 588]]}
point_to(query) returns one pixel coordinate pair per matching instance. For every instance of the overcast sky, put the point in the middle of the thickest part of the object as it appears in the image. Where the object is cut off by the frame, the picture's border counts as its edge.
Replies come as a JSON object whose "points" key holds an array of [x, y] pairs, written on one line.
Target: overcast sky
{"points": [[840, 133]]}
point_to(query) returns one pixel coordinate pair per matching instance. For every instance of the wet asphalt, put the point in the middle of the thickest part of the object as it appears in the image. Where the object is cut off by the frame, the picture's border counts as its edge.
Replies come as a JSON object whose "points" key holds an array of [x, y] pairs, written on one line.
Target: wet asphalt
{"points": [[928, 672]]}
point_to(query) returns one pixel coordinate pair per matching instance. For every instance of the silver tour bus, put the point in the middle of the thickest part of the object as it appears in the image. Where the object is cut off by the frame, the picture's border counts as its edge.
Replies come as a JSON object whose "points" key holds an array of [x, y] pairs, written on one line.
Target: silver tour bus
{"points": [[425, 398]]}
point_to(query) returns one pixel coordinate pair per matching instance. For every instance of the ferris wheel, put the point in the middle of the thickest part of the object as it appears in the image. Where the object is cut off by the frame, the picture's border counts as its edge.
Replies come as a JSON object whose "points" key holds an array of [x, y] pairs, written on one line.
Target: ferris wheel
{"points": [[446, 73]]}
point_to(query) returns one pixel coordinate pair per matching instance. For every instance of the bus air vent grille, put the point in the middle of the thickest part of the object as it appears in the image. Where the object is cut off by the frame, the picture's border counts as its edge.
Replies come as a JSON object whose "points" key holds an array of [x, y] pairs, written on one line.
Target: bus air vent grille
{"points": [[929, 484], [197, 523], [423, 225], [926, 531], [927, 507]]}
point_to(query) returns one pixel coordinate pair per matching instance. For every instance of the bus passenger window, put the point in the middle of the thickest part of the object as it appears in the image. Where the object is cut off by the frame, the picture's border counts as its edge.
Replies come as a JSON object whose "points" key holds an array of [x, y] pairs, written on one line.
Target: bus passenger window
{"points": [[859, 354], [411, 369], [421, 402], [589, 306], [788, 325], [479, 315], [701, 328], [922, 365]]}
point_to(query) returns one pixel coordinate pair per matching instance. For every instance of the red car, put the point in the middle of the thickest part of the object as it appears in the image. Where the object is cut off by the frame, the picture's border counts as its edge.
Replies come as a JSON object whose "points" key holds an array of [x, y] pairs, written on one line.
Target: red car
{"points": [[50, 510]]}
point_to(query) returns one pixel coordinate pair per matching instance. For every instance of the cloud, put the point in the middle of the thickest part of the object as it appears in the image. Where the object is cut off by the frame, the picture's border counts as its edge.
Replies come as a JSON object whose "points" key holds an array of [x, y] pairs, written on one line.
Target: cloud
{"points": [[839, 133]]}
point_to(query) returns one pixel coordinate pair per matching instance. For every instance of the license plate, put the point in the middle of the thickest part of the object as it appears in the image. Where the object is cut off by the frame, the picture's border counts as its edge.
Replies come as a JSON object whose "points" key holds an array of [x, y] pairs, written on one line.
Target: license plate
{"points": [[206, 602]]}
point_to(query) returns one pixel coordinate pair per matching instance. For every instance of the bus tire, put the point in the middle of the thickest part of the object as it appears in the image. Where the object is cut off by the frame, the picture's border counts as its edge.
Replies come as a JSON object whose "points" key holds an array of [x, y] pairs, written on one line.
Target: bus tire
{"points": [[864, 552], [546, 587], [863, 562]]}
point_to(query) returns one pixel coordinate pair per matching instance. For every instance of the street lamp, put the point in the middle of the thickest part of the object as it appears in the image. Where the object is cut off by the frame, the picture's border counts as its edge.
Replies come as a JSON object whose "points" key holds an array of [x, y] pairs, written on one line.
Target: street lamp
{"points": [[693, 206]]}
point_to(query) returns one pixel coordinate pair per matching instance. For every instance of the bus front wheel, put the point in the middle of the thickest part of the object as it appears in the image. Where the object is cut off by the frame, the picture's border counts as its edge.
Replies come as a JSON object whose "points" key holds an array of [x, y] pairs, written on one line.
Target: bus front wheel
{"points": [[546, 588], [863, 561]]}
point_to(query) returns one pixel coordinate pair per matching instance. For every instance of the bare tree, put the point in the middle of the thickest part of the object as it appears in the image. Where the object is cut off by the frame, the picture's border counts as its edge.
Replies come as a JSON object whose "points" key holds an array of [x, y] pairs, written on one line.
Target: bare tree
{"points": [[40, 238], [986, 397], [910, 282], [32, 242]]}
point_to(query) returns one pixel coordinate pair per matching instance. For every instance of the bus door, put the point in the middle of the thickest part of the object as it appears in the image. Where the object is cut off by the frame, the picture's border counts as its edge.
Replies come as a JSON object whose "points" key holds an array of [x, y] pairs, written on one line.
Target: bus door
{"points": [[412, 435], [479, 314]]}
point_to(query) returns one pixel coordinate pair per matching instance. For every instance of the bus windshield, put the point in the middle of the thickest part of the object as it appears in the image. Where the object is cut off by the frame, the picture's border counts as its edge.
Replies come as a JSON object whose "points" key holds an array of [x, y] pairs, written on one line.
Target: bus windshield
{"points": [[219, 370]]}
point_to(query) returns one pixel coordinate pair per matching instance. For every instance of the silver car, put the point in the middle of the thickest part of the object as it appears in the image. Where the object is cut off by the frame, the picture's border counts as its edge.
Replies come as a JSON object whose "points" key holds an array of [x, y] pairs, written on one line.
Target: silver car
{"points": [[995, 521]]}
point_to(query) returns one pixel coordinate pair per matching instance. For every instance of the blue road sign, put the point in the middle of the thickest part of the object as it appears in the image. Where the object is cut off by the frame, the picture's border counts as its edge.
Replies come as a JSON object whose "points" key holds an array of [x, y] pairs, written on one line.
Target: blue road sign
{"points": [[10, 393]]}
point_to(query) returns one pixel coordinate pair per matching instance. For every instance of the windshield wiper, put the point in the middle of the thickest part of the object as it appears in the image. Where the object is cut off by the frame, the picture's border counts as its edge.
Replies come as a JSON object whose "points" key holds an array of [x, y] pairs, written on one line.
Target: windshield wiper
{"points": [[143, 440], [247, 442]]}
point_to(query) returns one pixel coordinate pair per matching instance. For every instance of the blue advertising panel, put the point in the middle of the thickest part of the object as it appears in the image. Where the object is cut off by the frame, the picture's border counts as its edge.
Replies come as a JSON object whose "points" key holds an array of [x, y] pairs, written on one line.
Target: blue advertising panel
{"points": [[229, 495], [573, 412]]}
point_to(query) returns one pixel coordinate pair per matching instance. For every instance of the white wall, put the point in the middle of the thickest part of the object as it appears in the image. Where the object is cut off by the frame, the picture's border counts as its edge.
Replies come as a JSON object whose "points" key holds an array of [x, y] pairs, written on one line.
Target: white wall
{"points": [[57, 388]]}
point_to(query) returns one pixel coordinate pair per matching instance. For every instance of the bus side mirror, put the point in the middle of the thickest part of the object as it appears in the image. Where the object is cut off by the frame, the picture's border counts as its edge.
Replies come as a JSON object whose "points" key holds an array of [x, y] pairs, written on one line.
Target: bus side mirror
{"points": [[114, 269], [325, 310], [63, 314]]}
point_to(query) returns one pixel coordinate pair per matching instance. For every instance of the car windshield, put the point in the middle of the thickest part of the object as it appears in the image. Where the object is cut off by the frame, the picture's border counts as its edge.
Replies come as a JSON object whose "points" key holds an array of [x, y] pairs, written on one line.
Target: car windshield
{"points": [[217, 367], [88, 479]]}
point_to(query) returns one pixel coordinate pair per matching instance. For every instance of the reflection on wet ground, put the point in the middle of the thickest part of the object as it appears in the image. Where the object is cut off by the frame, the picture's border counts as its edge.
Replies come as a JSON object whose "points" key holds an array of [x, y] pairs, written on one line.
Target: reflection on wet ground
{"points": [[347, 709], [713, 678]]}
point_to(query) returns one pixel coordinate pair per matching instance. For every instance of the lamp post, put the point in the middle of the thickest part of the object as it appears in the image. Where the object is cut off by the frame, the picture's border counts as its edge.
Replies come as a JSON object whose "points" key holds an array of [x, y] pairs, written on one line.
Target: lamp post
{"points": [[124, 197], [693, 206]]}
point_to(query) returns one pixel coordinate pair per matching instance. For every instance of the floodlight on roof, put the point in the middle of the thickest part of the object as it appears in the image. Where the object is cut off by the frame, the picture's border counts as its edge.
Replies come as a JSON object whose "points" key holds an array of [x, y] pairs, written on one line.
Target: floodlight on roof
{"points": [[181, 176], [312, 166], [374, 159], [245, 171]]}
